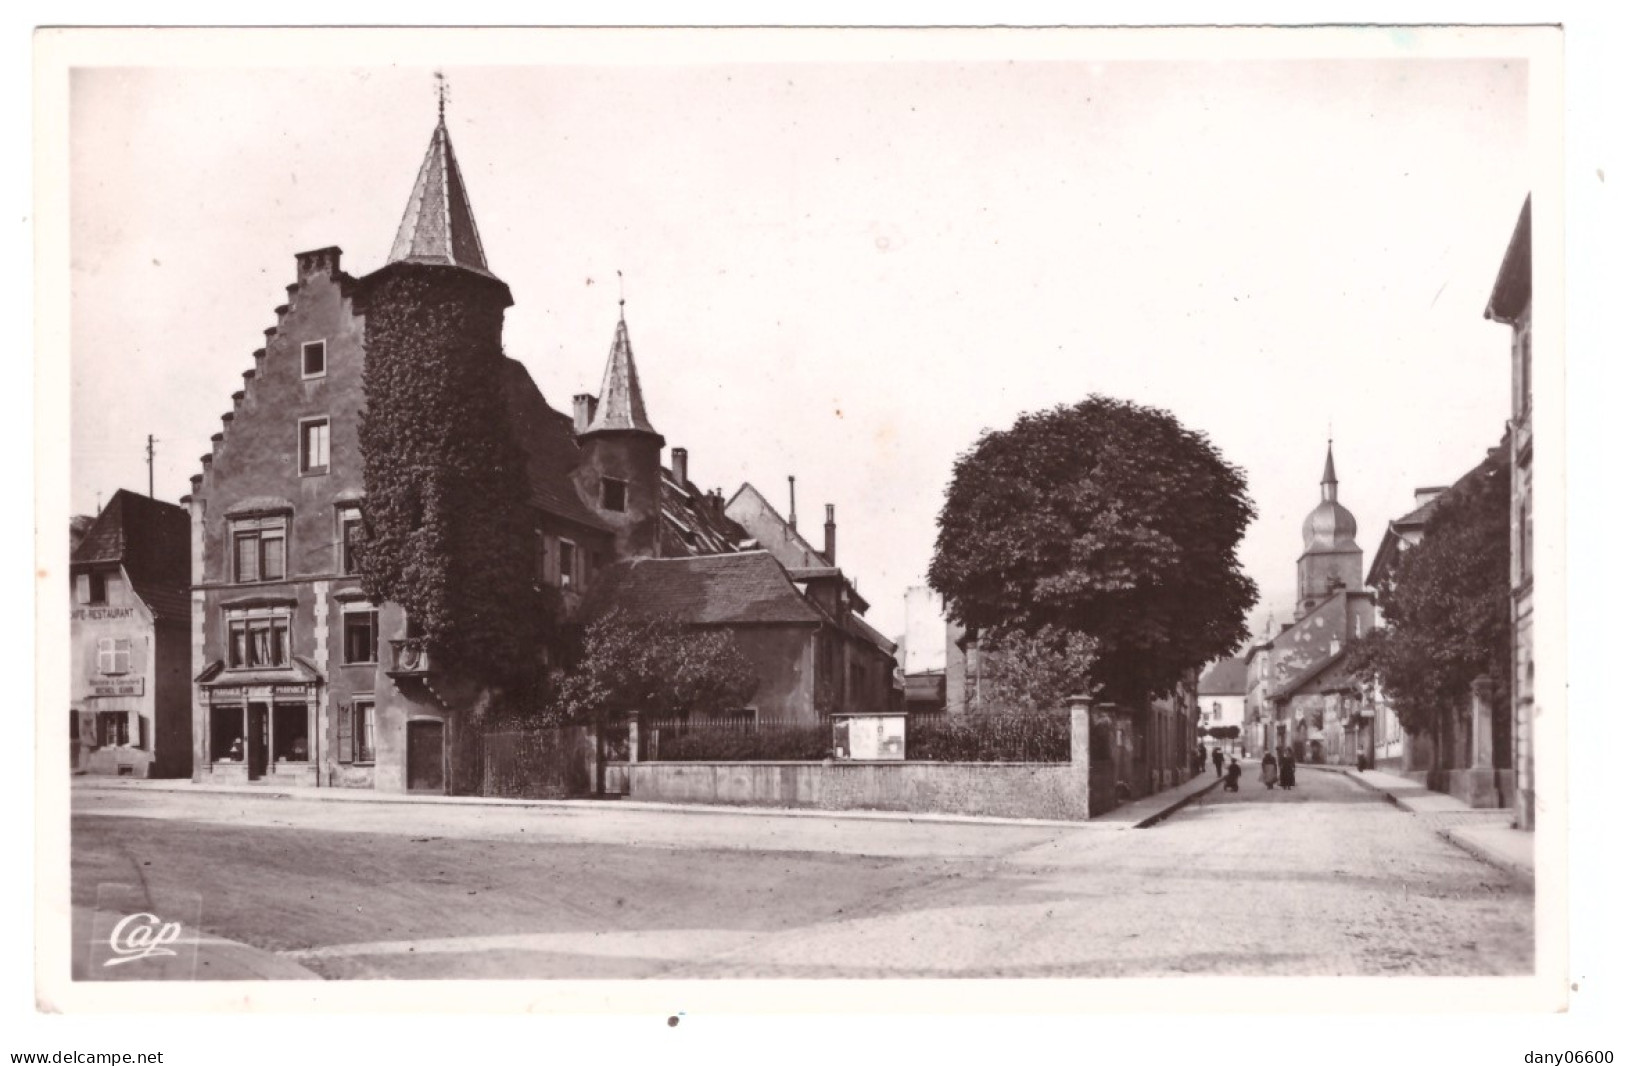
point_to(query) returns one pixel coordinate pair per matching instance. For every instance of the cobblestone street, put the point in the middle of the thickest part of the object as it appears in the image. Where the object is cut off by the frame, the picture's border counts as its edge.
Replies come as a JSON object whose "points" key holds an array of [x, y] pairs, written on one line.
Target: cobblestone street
{"points": [[1327, 879]]}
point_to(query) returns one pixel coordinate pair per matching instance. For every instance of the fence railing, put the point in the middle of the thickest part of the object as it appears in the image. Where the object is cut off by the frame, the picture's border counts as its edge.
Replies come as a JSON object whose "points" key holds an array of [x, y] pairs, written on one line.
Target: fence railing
{"points": [[927, 738]]}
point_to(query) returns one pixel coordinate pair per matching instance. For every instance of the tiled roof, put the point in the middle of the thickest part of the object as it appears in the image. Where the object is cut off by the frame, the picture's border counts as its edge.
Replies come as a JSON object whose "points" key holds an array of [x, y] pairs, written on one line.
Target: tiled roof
{"points": [[620, 398], [151, 540], [438, 226], [743, 587], [547, 439], [861, 629], [691, 525], [1227, 677]]}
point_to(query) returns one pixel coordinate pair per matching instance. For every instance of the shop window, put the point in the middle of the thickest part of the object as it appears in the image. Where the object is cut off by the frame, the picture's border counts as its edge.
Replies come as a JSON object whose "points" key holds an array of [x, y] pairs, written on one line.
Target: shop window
{"points": [[360, 636], [290, 733], [113, 655], [226, 734], [257, 640], [313, 363], [313, 446], [112, 728], [259, 551], [614, 494], [349, 542]]}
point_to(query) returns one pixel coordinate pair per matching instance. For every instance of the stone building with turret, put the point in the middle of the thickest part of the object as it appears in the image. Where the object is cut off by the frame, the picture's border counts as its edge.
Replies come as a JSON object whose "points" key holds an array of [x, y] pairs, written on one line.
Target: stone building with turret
{"points": [[303, 679]]}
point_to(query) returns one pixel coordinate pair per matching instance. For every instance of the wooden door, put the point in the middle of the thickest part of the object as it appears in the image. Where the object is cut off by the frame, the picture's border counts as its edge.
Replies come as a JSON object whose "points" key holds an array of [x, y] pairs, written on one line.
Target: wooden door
{"points": [[259, 740], [425, 756]]}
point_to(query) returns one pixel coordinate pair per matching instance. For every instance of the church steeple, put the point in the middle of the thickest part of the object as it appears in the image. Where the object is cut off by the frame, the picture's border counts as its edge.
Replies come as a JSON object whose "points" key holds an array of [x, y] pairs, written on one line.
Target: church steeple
{"points": [[1328, 479], [438, 226]]}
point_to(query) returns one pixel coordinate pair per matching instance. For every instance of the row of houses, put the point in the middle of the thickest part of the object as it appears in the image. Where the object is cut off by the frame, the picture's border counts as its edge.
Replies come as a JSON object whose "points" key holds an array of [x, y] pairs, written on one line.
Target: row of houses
{"points": [[230, 639], [1292, 687]]}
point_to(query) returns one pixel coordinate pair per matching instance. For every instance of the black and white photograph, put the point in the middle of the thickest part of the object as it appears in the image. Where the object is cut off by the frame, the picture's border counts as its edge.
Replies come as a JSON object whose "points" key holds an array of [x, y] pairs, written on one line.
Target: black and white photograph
{"points": [[553, 516]]}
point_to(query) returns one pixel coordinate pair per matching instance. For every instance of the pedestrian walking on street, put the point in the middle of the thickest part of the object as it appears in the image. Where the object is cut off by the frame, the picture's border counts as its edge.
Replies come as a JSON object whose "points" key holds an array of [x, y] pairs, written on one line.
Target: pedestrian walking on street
{"points": [[1218, 761], [1232, 777], [1289, 769], [1198, 761], [1268, 774]]}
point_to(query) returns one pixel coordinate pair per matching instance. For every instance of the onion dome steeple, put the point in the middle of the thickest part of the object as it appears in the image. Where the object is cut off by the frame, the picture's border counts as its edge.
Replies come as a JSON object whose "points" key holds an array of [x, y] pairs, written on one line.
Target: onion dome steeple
{"points": [[1330, 527], [438, 226]]}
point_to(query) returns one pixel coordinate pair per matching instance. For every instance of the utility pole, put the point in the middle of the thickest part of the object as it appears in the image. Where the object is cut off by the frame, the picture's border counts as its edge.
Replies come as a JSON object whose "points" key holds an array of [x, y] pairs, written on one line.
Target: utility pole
{"points": [[149, 466]]}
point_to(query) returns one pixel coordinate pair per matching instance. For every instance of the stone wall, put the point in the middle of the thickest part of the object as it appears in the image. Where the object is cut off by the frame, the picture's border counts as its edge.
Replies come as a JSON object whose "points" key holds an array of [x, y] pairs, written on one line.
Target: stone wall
{"points": [[1008, 790]]}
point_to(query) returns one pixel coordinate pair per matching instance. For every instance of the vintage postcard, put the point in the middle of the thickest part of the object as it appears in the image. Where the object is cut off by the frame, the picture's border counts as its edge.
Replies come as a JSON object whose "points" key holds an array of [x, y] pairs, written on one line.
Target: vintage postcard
{"points": [[779, 520]]}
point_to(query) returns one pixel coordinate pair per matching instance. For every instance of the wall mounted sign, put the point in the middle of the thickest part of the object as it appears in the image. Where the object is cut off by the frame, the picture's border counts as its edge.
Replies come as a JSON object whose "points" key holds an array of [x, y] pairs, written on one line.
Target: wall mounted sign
{"points": [[124, 686]]}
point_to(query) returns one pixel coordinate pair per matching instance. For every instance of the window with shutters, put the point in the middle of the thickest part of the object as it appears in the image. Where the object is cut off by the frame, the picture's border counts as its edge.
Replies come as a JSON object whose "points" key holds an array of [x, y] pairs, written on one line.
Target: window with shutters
{"points": [[567, 564], [364, 731], [356, 732], [112, 728], [113, 655]]}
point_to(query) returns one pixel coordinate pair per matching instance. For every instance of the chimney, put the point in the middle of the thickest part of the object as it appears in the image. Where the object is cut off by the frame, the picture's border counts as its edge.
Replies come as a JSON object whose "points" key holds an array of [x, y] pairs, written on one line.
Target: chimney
{"points": [[792, 501], [1429, 492], [586, 405], [679, 466], [829, 533]]}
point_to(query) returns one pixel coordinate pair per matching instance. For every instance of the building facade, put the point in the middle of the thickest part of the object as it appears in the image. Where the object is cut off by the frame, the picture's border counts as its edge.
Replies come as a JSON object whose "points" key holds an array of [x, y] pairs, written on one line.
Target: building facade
{"points": [[301, 678], [1222, 702], [129, 653], [1510, 303]]}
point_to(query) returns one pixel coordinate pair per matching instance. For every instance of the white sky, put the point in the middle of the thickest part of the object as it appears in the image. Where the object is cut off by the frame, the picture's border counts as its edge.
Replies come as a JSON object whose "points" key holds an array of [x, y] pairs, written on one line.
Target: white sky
{"points": [[846, 271]]}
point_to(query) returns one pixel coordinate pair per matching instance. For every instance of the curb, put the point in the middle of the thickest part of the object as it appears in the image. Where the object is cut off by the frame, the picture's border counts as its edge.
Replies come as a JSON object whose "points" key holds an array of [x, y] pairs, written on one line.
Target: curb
{"points": [[1148, 822], [620, 804], [1520, 873]]}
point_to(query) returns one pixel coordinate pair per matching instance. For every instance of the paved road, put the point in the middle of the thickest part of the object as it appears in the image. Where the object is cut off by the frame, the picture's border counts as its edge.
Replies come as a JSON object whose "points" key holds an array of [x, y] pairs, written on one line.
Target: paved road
{"points": [[1327, 879]]}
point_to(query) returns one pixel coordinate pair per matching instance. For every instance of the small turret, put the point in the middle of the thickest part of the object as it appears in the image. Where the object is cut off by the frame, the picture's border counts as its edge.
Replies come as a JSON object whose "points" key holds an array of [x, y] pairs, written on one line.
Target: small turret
{"points": [[619, 473]]}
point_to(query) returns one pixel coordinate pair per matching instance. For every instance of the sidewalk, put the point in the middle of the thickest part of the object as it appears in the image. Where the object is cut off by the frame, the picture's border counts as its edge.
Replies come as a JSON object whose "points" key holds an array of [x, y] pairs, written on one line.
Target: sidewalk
{"points": [[1485, 833], [1135, 815], [1149, 810]]}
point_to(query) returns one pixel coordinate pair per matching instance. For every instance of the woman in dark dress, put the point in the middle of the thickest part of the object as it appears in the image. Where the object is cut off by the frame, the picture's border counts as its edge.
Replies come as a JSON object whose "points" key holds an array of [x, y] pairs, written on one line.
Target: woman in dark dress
{"points": [[1289, 769], [1232, 777], [1268, 773]]}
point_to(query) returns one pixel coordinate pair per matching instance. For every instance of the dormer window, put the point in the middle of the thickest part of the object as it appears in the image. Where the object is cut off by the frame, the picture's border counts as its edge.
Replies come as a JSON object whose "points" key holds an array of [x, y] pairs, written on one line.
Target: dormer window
{"points": [[313, 359], [614, 494]]}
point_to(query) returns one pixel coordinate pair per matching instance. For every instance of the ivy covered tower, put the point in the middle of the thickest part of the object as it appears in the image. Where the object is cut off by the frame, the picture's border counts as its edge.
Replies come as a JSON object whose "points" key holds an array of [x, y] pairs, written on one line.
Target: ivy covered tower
{"points": [[447, 536], [1331, 560], [619, 472]]}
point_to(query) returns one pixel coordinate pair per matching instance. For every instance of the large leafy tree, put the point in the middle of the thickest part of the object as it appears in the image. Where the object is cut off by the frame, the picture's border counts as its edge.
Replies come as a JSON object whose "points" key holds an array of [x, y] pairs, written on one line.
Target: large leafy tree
{"points": [[654, 665], [1026, 673], [1104, 518], [1446, 607]]}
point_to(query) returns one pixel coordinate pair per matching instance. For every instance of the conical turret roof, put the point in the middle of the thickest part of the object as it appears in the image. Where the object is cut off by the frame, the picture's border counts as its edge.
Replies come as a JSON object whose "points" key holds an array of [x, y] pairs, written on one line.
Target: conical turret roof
{"points": [[620, 398], [438, 226]]}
